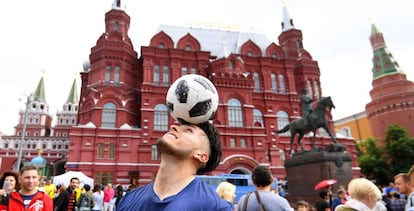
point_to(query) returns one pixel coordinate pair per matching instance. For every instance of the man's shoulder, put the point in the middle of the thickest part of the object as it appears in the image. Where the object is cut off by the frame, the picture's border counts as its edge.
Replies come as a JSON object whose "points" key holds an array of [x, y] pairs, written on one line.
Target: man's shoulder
{"points": [[342, 207]]}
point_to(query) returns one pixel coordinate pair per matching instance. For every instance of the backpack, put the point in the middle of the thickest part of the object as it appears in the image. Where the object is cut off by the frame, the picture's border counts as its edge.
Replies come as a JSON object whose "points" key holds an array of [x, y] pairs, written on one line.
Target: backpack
{"points": [[86, 202]]}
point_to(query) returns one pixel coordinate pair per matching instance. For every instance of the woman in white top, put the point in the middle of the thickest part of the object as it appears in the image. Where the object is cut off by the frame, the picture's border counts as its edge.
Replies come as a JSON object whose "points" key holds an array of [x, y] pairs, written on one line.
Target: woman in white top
{"points": [[98, 196]]}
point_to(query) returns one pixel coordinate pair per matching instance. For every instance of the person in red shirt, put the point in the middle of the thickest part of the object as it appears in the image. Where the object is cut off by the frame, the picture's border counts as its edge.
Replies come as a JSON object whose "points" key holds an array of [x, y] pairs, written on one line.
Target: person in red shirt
{"points": [[28, 198], [109, 193]]}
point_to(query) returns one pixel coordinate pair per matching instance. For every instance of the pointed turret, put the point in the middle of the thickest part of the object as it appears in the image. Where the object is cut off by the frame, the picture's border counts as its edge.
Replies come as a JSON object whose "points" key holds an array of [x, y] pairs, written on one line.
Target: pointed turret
{"points": [[73, 94], [39, 121], [391, 94], [39, 94], [287, 22], [384, 63], [291, 38], [67, 117]]}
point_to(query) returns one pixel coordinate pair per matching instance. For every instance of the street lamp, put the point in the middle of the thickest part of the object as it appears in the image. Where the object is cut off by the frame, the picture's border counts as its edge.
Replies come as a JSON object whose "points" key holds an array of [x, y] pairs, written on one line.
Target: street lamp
{"points": [[19, 158]]}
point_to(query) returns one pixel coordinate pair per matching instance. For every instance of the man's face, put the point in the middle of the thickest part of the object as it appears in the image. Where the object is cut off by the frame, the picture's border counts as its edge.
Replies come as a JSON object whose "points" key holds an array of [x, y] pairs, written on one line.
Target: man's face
{"points": [[29, 180], [302, 207], [74, 184], [401, 185], [182, 140]]}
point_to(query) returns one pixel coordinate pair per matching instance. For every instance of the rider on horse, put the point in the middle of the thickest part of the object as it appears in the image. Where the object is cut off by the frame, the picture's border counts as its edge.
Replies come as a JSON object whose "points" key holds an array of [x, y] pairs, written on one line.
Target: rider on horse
{"points": [[306, 105]]}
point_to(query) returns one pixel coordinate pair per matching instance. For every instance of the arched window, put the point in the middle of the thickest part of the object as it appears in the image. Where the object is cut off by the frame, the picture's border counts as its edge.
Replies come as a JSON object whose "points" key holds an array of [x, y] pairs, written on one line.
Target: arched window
{"points": [[282, 121], [316, 88], [231, 65], [111, 150], [100, 153], [235, 113], [116, 27], [154, 152], [346, 131], [161, 117], [116, 75], [107, 74], [109, 115], [309, 85], [193, 70], [165, 75], [257, 118], [183, 71], [256, 82], [274, 82], [282, 84], [156, 75]]}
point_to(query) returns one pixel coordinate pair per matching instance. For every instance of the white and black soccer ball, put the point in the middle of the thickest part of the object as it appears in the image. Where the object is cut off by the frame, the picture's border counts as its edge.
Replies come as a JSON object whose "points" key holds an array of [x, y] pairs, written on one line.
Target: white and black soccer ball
{"points": [[192, 99]]}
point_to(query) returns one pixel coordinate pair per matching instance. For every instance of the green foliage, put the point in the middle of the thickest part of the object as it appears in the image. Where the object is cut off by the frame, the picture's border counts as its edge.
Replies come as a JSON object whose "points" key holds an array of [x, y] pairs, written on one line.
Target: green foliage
{"points": [[400, 148], [372, 162], [395, 132], [381, 163]]}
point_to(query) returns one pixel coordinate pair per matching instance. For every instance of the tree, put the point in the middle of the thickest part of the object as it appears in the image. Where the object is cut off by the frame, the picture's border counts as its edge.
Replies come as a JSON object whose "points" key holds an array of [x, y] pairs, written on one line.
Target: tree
{"points": [[381, 162], [372, 161], [400, 149]]}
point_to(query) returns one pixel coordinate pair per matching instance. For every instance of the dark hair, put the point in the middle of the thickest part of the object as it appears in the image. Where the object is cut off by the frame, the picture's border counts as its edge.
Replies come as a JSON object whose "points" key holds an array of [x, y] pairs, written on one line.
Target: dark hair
{"points": [[27, 168], [14, 174], [215, 147], [74, 178], [261, 176], [96, 187], [340, 191], [86, 187], [322, 193]]}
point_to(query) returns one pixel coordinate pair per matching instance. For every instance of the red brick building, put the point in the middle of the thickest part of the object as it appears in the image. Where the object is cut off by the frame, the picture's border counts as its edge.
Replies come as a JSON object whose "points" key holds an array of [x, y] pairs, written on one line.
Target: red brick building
{"points": [[42, 141], [122, 107], [111, 129]]}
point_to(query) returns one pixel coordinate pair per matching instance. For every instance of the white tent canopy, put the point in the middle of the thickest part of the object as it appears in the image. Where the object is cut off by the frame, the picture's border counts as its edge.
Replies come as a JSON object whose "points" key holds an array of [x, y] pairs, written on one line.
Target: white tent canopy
{"points": [[65, 178]]}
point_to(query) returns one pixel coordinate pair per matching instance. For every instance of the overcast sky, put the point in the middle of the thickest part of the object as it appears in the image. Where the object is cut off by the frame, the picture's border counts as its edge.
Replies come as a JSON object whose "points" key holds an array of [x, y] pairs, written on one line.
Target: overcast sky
{"points": [[56, 36]]}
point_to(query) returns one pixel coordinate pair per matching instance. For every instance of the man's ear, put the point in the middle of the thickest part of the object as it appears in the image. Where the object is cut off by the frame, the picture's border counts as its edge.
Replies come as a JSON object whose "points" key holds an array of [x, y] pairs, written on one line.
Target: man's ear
{"points": [[201, 156]]}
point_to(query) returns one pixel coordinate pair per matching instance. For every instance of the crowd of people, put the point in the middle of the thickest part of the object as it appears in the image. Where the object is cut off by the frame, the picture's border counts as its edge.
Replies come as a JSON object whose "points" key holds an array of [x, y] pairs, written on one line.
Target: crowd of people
{"points": [[185, 151], [26, 190]]}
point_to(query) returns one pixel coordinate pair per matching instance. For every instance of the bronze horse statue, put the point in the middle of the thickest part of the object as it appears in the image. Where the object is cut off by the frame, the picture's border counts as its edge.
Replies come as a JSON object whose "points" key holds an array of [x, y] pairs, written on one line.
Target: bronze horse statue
{"points": [[316, 119]]}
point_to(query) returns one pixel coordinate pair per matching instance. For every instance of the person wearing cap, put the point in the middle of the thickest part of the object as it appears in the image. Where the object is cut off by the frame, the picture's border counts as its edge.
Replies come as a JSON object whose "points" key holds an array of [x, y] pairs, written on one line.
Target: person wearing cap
{"points": [[302, 205], [185, 150]]}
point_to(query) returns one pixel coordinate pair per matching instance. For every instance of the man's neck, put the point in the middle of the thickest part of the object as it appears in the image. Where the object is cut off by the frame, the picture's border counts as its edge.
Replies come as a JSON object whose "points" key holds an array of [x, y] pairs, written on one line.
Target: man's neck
{"points": [[266, 188], [172, 178], [27, 192]]}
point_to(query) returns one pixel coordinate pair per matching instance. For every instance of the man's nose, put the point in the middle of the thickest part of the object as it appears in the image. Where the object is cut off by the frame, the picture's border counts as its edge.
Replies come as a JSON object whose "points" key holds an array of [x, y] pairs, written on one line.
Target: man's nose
{"points": [[175, 127]]}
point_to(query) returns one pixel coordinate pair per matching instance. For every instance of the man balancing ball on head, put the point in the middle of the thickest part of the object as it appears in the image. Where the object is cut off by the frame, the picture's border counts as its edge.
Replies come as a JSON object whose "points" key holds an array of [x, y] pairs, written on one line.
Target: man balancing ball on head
{"points": [[186, 150]]}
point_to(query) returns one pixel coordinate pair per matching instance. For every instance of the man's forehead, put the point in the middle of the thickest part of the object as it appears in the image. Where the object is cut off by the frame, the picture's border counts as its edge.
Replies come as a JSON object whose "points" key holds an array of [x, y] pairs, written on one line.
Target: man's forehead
{"points": [[29, 172]]}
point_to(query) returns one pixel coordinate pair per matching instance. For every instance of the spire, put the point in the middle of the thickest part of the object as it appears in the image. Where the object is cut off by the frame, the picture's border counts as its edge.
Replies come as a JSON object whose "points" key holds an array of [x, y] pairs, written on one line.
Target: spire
{"points": [[39, 94], [287, 22], [223, 51], [383, 61], [73, 94], [118, 5]]}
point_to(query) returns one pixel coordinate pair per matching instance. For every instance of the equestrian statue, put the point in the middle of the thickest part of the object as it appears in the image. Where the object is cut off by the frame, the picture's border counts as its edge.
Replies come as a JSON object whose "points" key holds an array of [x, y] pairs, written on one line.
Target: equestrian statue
{"points": [[311, 120]]}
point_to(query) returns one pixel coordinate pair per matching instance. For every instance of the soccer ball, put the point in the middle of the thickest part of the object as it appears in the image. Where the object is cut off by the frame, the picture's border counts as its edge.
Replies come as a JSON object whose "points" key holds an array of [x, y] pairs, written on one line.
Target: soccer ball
{"points": [[192, 99]]}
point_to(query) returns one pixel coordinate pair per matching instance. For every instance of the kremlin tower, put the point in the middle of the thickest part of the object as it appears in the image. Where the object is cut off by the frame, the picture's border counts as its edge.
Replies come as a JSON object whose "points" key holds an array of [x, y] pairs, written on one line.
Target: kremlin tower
{"points": [[392, 95]]}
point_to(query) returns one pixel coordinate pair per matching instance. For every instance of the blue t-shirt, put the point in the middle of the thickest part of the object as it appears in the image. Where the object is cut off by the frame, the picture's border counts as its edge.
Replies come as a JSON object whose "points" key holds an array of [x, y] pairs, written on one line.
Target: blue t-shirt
{"points": [[195, 196]]}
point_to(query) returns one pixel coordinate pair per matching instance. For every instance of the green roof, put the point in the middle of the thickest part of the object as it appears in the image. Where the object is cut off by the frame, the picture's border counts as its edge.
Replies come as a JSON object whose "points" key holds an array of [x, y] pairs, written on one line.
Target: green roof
{"points": [[39, 94], [73, 94]]}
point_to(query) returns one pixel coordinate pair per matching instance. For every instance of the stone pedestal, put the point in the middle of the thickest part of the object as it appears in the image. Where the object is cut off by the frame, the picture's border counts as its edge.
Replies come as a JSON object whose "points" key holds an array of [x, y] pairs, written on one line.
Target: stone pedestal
{"points": [[306, 169]]}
